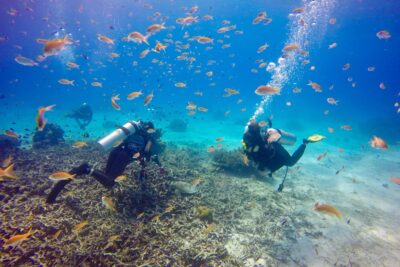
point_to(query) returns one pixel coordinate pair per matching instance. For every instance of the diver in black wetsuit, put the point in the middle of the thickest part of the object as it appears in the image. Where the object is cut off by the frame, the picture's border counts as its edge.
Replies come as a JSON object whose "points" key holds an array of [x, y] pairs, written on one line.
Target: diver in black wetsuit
{"points": [[83, 115], [140, 142], [264, 148]]}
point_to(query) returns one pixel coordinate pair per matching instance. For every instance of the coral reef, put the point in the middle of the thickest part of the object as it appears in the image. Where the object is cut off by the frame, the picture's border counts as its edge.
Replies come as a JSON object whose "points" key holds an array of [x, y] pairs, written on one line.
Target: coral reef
{"points": [[177, 125], [223, 224], [51, 135], [233, 162]]}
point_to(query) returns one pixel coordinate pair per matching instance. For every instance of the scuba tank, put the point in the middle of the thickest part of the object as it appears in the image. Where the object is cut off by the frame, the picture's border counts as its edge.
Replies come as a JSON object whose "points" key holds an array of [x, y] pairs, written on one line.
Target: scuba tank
{"points": [[119, 134], [286, 137]]}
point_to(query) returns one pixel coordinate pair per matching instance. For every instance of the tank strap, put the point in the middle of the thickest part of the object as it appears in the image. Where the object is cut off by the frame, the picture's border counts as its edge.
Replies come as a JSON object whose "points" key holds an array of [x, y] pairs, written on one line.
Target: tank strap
{"points": [[126, 131]]}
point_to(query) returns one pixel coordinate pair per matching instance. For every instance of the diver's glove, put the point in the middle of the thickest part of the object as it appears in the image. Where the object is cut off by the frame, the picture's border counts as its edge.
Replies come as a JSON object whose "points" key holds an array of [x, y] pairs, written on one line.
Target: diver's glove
{"points": [[84, 168]]}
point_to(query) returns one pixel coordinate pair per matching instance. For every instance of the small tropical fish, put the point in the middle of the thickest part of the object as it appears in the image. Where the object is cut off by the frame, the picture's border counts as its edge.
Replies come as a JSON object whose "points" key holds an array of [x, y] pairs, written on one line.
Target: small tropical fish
{"points": [[202, 109], [114, 55], [24, 61], [230, 91], [114, 103], [144, 53], [148, 99], [120, 178], [245, 159], [261, 16], [152, 29], [332, 21], [331, 130], [383, 35], [8, 172], [138, 38], [315, 86], [108, 203], [262, 48], [378, 143], [7, 162], [18, 239], [134, 95], [52, 47], [187, 21], [346, 66], [203, 39], [196, 181], [56, 234], [136, 155], [290, 48], [211, 149], [79, 144], [40, 120], [371, 68], [11, 134], [80, 226], [395, 180], [322, 156], [96, 84], [332, 101], [219, 139], [105, 39], [263, 90], [169, 208], [209, 73], [346, 127], [66, 82], [382, 86], [333, 45], [180, 84], [328, 209], [60, 176], [72, 65], [159, 46], [296, 90]]}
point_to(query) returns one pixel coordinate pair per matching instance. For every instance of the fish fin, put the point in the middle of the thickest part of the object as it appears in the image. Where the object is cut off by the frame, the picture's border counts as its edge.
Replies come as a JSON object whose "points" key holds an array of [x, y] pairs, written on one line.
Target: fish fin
{"points": [[145, 38], [48, 108], [9, 172]]}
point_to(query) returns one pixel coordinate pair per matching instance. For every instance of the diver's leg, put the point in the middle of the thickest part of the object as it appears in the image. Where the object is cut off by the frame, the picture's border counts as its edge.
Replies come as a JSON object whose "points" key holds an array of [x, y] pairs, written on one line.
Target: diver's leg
{"points": [[103, 178], [297, 155], [117, 161], [56, 190]]}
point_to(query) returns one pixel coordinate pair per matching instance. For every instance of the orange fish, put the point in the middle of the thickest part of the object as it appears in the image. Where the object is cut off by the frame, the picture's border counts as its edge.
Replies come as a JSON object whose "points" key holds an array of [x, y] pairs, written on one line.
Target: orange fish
{"points": [[395, 180], [105, 39], [52, 47], [315, 86], [8, 172], [346, 127], [7, 162], [79, 144], [267, 90], [11, 134], [80, 225], [144, 53], [328, 209], [180, 84], [114, 103], [138, 38], [203, 39], [211, 149], [66, 82], [187, 21], [155, 28], [148, 99], [296, 90], [262, 48], [332, 101], [202, 109], [72, 65], [191, 106], [331, 130], [17, 239], [346, 66], [230, 91], [378, 143], [60, 176], [219, 139], [159, 46], [96, 84], [40, 120], [290, 48], [134, 95], [108, 203]]}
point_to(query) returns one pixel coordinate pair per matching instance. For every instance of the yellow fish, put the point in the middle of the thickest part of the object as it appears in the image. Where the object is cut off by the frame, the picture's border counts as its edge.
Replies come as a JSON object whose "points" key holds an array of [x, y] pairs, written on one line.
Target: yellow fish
{"points": [[80, 225], [109, 203], [8, 172], [79, 144], [59, 176], [315, 138], [120, 178], [17, 239]]}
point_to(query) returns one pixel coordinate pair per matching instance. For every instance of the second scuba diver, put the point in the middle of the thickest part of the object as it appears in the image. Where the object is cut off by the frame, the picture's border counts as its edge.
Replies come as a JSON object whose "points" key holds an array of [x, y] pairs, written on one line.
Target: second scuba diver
{"points": [[138, 143]]}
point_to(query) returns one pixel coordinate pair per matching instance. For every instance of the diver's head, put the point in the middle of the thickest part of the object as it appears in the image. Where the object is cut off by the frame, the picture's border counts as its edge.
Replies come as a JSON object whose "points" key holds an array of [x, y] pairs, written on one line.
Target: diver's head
{"points": [[148, 125], [253, 127]]}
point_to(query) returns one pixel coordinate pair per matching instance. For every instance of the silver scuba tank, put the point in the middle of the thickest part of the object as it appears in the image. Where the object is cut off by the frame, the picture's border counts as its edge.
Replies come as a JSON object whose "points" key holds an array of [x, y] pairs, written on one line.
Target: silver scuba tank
{"points": [[286, 137], [118, 135]]}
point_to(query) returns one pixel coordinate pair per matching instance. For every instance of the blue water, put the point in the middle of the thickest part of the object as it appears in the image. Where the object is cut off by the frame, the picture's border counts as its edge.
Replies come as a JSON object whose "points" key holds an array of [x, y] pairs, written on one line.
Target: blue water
{"points": [[368, 109]]}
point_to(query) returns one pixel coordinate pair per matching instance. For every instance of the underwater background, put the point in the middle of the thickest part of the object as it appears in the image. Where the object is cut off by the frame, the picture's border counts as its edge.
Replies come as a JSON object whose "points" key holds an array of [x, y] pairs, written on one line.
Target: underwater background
{"points": [[357, 178]]}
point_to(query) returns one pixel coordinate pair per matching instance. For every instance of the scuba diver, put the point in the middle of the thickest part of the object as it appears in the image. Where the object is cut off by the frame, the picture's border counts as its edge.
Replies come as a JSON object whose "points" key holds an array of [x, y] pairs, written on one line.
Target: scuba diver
{"points": [[83, 115], [136, 141], [265, 148]]}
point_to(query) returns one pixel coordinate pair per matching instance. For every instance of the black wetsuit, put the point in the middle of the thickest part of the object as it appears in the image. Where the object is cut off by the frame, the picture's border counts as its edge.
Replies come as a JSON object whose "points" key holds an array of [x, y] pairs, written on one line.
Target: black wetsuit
{"points": [[271, 156], [117, 161]]}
